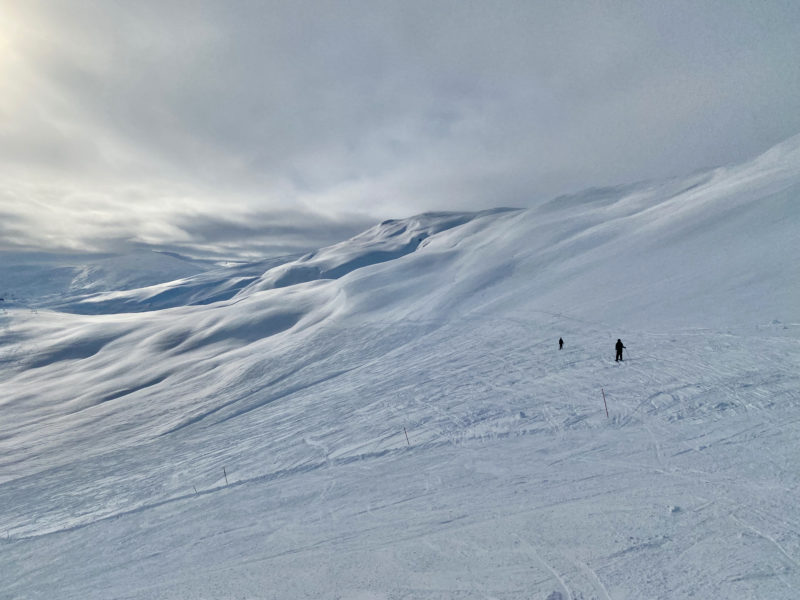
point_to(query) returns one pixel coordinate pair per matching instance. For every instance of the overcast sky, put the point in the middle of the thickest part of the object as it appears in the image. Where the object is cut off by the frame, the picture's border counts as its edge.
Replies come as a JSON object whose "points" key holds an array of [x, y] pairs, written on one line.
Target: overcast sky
{"points": [[229, 128]]}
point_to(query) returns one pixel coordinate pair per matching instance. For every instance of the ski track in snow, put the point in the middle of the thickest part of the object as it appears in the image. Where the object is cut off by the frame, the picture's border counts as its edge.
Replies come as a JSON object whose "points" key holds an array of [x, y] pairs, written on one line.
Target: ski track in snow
{"points": [[443, 417]]}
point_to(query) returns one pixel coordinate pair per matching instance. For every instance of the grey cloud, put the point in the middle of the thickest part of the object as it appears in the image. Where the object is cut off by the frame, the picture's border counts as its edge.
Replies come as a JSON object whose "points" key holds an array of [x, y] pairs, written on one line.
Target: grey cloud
{"points": [[385, 108], [117, 226], [265, 234]]}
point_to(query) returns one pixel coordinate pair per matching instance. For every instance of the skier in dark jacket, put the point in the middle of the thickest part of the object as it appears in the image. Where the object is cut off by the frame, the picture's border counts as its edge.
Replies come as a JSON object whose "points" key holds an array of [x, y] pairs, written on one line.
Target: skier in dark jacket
{"points": [[560, 343], [619, 348]]}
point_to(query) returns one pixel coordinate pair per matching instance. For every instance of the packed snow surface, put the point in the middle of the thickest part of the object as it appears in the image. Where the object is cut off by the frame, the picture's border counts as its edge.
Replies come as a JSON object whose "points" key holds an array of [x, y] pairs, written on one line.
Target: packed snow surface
{"points": [[390, 417]]}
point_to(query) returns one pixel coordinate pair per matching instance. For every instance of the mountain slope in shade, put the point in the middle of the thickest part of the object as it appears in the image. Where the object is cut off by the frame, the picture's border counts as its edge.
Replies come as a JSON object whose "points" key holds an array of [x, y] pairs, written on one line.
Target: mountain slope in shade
{"points": [[46, 280]]}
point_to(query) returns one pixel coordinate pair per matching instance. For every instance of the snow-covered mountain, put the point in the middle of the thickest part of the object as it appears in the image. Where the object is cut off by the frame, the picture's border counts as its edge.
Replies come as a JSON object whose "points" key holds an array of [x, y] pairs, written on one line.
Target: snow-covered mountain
{"points": [[390, 417], [45, 280]]}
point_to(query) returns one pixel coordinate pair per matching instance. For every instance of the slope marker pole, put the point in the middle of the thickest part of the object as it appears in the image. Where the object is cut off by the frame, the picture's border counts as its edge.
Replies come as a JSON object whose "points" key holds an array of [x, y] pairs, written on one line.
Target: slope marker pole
{"points": [[404, 431], [226, 475], [604, 401]]}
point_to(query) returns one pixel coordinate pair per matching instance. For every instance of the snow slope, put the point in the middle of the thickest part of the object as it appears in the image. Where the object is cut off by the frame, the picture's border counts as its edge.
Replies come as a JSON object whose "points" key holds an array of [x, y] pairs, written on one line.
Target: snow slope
{"points": [[207, 287], [390, 418], [41, 280]]}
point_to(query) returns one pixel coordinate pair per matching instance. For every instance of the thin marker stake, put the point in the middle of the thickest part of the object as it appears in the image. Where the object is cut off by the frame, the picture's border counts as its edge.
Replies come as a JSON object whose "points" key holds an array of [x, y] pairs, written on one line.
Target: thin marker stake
{"points": [[226, 475], [404, 431], [604, 401]]}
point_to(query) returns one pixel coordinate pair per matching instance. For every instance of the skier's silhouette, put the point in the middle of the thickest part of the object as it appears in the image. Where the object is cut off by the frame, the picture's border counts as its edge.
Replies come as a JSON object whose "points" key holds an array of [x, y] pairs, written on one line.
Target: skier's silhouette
{"points": [[619, 348], [560, 343]]}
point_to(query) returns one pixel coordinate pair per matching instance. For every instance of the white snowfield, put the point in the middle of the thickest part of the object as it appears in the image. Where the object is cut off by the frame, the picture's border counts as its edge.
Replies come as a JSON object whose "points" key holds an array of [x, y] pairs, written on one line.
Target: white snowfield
{"points": [[391, 418]]}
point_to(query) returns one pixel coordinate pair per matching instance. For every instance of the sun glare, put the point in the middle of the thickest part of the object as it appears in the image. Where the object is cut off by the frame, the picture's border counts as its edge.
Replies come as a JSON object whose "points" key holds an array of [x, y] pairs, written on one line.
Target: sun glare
{"points": [[10, 27]]}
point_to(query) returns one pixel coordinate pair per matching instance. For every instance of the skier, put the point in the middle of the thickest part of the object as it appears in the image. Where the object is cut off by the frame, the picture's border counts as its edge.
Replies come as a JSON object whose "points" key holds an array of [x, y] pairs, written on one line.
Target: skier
{"points": [[560, 344], [619, 348]]}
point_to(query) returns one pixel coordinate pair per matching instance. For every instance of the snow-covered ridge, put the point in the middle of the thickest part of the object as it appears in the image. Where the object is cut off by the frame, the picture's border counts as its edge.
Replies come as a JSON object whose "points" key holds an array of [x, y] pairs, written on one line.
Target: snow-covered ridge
{"points": [[207, 287], [387, 241], [41, 280]]}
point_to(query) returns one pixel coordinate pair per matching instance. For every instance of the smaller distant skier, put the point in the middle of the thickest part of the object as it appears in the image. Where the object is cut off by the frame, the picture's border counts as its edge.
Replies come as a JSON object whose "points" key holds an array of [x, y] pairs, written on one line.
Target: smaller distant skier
{"points": [[619, 348], [560, 344]]}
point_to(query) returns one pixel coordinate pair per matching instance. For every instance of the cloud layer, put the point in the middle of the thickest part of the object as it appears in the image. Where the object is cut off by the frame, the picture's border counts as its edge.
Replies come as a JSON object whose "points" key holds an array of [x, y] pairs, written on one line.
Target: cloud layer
{"points": [[246, 127]]}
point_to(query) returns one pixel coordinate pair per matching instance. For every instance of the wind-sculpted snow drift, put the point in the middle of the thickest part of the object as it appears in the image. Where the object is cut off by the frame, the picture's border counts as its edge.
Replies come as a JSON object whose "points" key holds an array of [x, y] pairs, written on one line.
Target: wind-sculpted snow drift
{"points": [[390, 417]]}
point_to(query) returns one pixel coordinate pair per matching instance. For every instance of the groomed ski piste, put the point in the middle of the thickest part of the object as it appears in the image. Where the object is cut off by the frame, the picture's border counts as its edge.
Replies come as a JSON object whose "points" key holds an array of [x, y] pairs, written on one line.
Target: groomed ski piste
{"points": [[391, 418]]}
